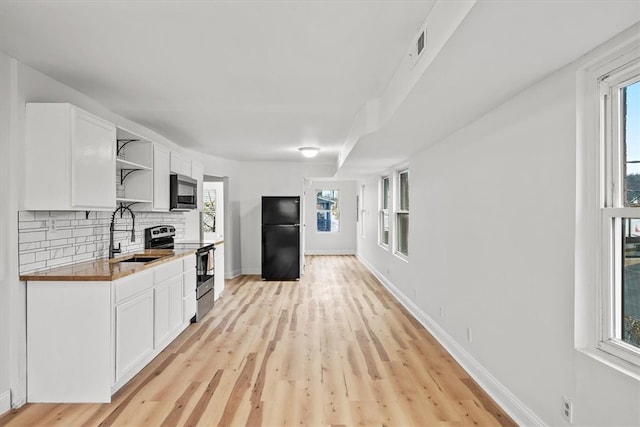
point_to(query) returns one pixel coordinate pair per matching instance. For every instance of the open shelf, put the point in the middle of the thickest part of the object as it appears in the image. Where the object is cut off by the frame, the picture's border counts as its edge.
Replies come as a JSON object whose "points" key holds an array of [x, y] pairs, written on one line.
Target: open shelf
{"points": [[126, 164], [127, 200], [134, 170]]}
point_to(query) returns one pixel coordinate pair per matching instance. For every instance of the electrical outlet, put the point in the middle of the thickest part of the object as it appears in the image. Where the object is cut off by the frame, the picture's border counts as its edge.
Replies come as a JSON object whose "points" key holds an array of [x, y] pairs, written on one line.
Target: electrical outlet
{"points": [[441, 311], [567, 410], [51, 224], [469, 336]]}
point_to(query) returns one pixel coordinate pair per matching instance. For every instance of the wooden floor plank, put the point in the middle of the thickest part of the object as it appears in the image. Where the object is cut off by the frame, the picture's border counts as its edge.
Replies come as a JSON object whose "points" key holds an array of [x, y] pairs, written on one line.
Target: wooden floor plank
{"points": [[334, 348]]}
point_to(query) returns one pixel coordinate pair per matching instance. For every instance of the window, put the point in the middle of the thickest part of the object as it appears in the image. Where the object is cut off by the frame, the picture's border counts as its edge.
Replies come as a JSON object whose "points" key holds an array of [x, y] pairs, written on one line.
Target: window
{"points": [[402, 214], [208, 213], [619, 210], [328, 211], [383, 218]]}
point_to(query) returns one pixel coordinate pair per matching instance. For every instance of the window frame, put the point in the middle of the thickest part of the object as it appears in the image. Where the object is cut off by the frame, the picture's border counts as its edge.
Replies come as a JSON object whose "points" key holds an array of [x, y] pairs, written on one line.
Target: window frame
{"points": [[382, 210], [596, 251], [399, 211], [613, 209]]}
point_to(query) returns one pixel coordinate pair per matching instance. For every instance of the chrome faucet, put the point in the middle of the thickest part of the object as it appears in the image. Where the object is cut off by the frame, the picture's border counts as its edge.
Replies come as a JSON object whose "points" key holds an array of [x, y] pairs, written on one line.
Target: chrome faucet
{"points": [[121, 209]]}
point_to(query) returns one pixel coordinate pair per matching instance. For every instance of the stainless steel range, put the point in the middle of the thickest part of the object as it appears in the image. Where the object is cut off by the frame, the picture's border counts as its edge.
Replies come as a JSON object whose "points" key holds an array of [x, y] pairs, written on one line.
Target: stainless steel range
{"points": [[163, 237]]}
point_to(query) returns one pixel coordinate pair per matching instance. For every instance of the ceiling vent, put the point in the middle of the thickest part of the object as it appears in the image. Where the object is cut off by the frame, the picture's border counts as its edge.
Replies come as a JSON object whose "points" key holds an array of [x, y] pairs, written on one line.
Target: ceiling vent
{"points": [[418, 47]]}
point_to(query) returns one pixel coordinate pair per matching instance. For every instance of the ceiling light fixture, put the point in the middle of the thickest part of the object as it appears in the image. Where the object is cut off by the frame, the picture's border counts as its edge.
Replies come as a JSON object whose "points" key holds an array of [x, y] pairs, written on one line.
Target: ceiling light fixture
{"points": [[309, 151]]}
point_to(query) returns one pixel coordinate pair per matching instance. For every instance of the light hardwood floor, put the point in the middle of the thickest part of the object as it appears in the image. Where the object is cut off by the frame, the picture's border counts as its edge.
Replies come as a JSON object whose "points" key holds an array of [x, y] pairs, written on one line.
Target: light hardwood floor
{"points": [[334, 348]]}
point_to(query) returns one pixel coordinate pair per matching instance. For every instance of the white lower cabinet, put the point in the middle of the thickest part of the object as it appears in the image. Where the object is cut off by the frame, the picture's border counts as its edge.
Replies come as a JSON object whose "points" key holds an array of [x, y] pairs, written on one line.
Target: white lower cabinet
{"points": [[168, 309], [69, 353], [85, 340], [189, 279], [188, 307], [219, 263], [134, 332]]}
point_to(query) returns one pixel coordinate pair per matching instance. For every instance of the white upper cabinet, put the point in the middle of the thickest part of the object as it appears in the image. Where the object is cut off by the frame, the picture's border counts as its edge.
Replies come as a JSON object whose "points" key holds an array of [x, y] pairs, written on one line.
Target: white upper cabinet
{"points": [[180, 164], [70, 158], [161, 171], [197, 173]]}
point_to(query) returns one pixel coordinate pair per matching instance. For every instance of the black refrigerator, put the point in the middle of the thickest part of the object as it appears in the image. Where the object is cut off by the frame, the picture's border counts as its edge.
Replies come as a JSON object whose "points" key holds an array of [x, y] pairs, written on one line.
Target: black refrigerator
{"points": [[280, 238]]}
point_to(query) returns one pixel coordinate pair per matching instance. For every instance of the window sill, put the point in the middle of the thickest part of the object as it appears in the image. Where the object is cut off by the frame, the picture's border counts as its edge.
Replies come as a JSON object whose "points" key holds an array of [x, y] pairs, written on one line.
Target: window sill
{"points": [[402, 256], [613, 362]]}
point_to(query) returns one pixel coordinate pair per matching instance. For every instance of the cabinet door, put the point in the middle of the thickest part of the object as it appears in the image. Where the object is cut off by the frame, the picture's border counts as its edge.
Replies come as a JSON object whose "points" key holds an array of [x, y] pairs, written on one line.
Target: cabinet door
{"points": [[197, 173], [161, 329], [179, 164], [161, 171], [185, 168], [93, 161], [189, 282], [168, 309], [219, 265], [175, 304], [134, 332], [188, 307]]}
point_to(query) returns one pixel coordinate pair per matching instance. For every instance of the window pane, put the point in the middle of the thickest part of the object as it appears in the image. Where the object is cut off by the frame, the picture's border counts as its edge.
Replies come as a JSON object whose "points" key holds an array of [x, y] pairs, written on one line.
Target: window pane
{"points": [[384, 227], [631, 282], [403, 233], [328, 210], [631, 137], [404, 191], [385, 193], [208, 214]]}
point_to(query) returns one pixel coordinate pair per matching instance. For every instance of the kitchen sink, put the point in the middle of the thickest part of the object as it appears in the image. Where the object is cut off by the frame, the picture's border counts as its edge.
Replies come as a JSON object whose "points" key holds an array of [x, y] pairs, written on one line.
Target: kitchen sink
{"points": [[140, 259]]}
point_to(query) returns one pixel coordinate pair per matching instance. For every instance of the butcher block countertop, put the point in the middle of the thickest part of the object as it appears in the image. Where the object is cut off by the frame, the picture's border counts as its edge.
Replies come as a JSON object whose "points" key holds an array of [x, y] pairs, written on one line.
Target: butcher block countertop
{"points": [[106, 270]]}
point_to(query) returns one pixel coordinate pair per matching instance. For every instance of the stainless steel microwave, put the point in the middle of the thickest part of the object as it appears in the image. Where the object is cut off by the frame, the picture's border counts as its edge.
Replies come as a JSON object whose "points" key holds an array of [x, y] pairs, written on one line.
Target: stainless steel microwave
{"points": [[184, 192]]}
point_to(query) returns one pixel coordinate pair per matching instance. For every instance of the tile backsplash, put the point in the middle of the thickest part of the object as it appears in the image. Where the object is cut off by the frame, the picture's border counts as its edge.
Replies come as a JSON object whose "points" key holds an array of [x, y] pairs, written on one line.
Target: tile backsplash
{"points": [[54, 238]]}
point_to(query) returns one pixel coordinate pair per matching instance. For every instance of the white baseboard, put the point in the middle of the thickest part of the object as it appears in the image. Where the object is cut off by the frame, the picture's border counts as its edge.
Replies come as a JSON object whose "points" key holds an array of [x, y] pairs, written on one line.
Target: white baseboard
{"points": [[330, 252], [5, 401], [232, 274], [517, 410], [251, 271]]}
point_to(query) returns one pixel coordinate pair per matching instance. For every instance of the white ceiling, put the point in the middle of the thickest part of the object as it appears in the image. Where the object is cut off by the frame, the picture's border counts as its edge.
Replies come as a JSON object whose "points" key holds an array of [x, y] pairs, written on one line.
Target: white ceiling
{"points": [[500, 49], [255, 80], [245, 80]]}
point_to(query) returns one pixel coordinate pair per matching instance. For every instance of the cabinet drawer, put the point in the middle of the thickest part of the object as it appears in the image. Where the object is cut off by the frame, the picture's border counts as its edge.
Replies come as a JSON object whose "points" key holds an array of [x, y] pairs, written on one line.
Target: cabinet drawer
{"points": [[132, 285], [167, 271]]}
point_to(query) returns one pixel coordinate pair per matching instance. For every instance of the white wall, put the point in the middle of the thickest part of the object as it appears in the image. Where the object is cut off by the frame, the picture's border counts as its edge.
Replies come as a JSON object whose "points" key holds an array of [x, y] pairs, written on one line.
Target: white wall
{"points": [[335, 243], [492, 227], [8, 233], [257, 179]]}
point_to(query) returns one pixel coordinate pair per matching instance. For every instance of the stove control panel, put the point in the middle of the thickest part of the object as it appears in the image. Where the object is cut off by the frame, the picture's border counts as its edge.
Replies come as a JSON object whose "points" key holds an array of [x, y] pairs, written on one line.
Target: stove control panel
{"points": [[159, 236]]}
